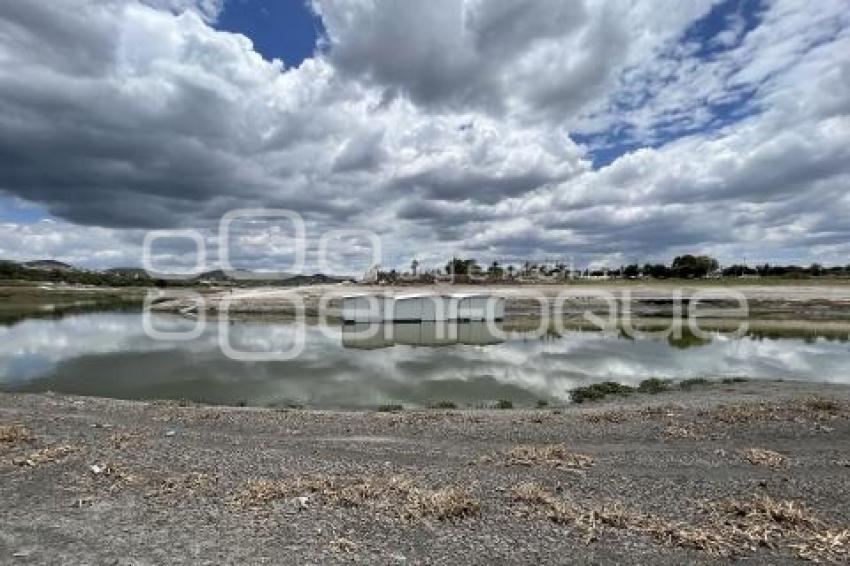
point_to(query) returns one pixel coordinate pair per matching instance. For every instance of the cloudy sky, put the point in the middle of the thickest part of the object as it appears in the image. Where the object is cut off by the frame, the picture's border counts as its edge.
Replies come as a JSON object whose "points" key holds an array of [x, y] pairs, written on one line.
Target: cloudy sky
{"points": [[603, 132]]}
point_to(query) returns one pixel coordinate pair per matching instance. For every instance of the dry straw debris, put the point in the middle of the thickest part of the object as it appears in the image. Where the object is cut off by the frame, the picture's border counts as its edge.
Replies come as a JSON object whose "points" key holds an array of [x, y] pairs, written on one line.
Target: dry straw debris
{"points": [[607, 417], [555, 455], [764, 521], [531, 492], [46, 455], [822, 404], [805, 409], [343, 545], [183, 485], [763, 457], [733, 527], [15, 434], [114, 475], [683, 431], [399, 496], [122, 440], [660, 411], [591, 517]]}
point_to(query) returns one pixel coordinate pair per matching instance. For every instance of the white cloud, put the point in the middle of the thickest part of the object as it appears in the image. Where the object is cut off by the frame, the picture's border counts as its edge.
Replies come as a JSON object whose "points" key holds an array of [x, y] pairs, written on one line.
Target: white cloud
{"points": [[85, 246], [444, 127], [209, 10], [507, 56]]}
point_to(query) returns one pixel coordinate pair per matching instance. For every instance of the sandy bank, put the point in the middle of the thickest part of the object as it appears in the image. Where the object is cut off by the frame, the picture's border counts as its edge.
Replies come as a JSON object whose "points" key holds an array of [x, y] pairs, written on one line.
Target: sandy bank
{"points": [[777, 302]]}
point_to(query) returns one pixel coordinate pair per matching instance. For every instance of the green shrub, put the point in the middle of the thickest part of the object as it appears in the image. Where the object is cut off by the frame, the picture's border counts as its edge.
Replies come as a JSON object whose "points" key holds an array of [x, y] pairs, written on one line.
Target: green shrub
{"points": [[389, 408], [598, 391], [443, 405], [652, 385], [693, 382], [504, 404], [542, 403]]}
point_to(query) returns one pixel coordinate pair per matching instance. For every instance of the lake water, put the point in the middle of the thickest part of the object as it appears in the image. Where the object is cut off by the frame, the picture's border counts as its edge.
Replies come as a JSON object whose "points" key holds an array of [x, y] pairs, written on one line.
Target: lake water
{"points": [[110, 354]]}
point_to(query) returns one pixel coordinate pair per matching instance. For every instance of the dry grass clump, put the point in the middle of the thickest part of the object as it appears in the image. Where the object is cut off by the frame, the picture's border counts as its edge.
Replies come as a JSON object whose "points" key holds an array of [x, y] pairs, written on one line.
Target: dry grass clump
{"points": [[616, 515], [734, 527], [665, 410], [343, 545], [15, 434], [823, 404], [684, 431], [259, 492], [592, 517], [807, 408], [746, 413], [46, 455], [115, 476], [763, 457], [448, 503], [531, 492], [183, 485], [122, 440], [763, 521], [399, 496], [607, 417], [555, 455], [832, 545]]}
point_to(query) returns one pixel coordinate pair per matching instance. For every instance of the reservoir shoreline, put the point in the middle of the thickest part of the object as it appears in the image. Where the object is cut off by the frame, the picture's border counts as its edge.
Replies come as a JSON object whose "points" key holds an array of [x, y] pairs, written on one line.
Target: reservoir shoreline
{"points": [[101, 480]]}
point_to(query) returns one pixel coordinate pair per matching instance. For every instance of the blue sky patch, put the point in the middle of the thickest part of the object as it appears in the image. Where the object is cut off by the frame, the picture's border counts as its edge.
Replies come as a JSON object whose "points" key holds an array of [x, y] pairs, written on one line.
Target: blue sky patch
{"points": [[722, 29], [280, 29], [16, 211]]}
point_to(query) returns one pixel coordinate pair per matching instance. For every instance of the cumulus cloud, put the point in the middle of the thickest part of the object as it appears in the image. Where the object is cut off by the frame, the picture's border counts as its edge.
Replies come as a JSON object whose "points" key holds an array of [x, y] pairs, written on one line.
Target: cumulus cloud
{"points": [[445, 127], [208, 10], [85, 246], [499, 56]]}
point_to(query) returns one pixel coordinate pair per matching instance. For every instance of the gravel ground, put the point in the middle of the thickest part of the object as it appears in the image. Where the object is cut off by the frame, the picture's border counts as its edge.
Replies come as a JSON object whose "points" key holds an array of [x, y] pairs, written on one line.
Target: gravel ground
{"points": [[719, 472]]}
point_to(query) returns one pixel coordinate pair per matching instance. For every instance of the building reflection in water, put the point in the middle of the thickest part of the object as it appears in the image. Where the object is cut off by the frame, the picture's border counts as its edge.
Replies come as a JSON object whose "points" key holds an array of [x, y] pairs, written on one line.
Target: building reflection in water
{"points": [[372, 336]]}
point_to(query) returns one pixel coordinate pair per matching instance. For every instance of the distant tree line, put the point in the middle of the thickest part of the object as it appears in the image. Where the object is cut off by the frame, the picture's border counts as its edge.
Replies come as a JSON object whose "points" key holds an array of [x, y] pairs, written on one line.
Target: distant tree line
{"points": [[682, 267]]}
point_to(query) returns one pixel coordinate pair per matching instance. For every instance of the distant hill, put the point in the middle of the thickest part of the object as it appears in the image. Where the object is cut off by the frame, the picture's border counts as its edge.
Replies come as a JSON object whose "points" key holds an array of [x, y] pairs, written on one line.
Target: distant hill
{"points": [[218, 276], [57, 271], [48, 265]]}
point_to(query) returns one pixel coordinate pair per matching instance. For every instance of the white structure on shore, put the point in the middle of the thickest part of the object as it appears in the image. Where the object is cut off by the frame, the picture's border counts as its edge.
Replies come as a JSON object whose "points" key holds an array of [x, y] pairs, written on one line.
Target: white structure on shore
{"points": [[422, 308], [371, 276], [475, 306], [432, 334]]}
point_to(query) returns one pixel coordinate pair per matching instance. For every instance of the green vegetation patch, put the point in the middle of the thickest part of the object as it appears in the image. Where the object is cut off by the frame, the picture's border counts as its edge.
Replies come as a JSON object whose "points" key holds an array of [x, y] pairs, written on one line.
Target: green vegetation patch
{"points": [[652, 385], [688, 384], [597, 391]]}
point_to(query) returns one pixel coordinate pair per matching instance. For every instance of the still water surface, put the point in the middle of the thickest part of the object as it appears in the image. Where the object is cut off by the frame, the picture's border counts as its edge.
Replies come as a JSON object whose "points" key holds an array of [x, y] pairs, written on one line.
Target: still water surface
{"points": [[109, 354]]}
